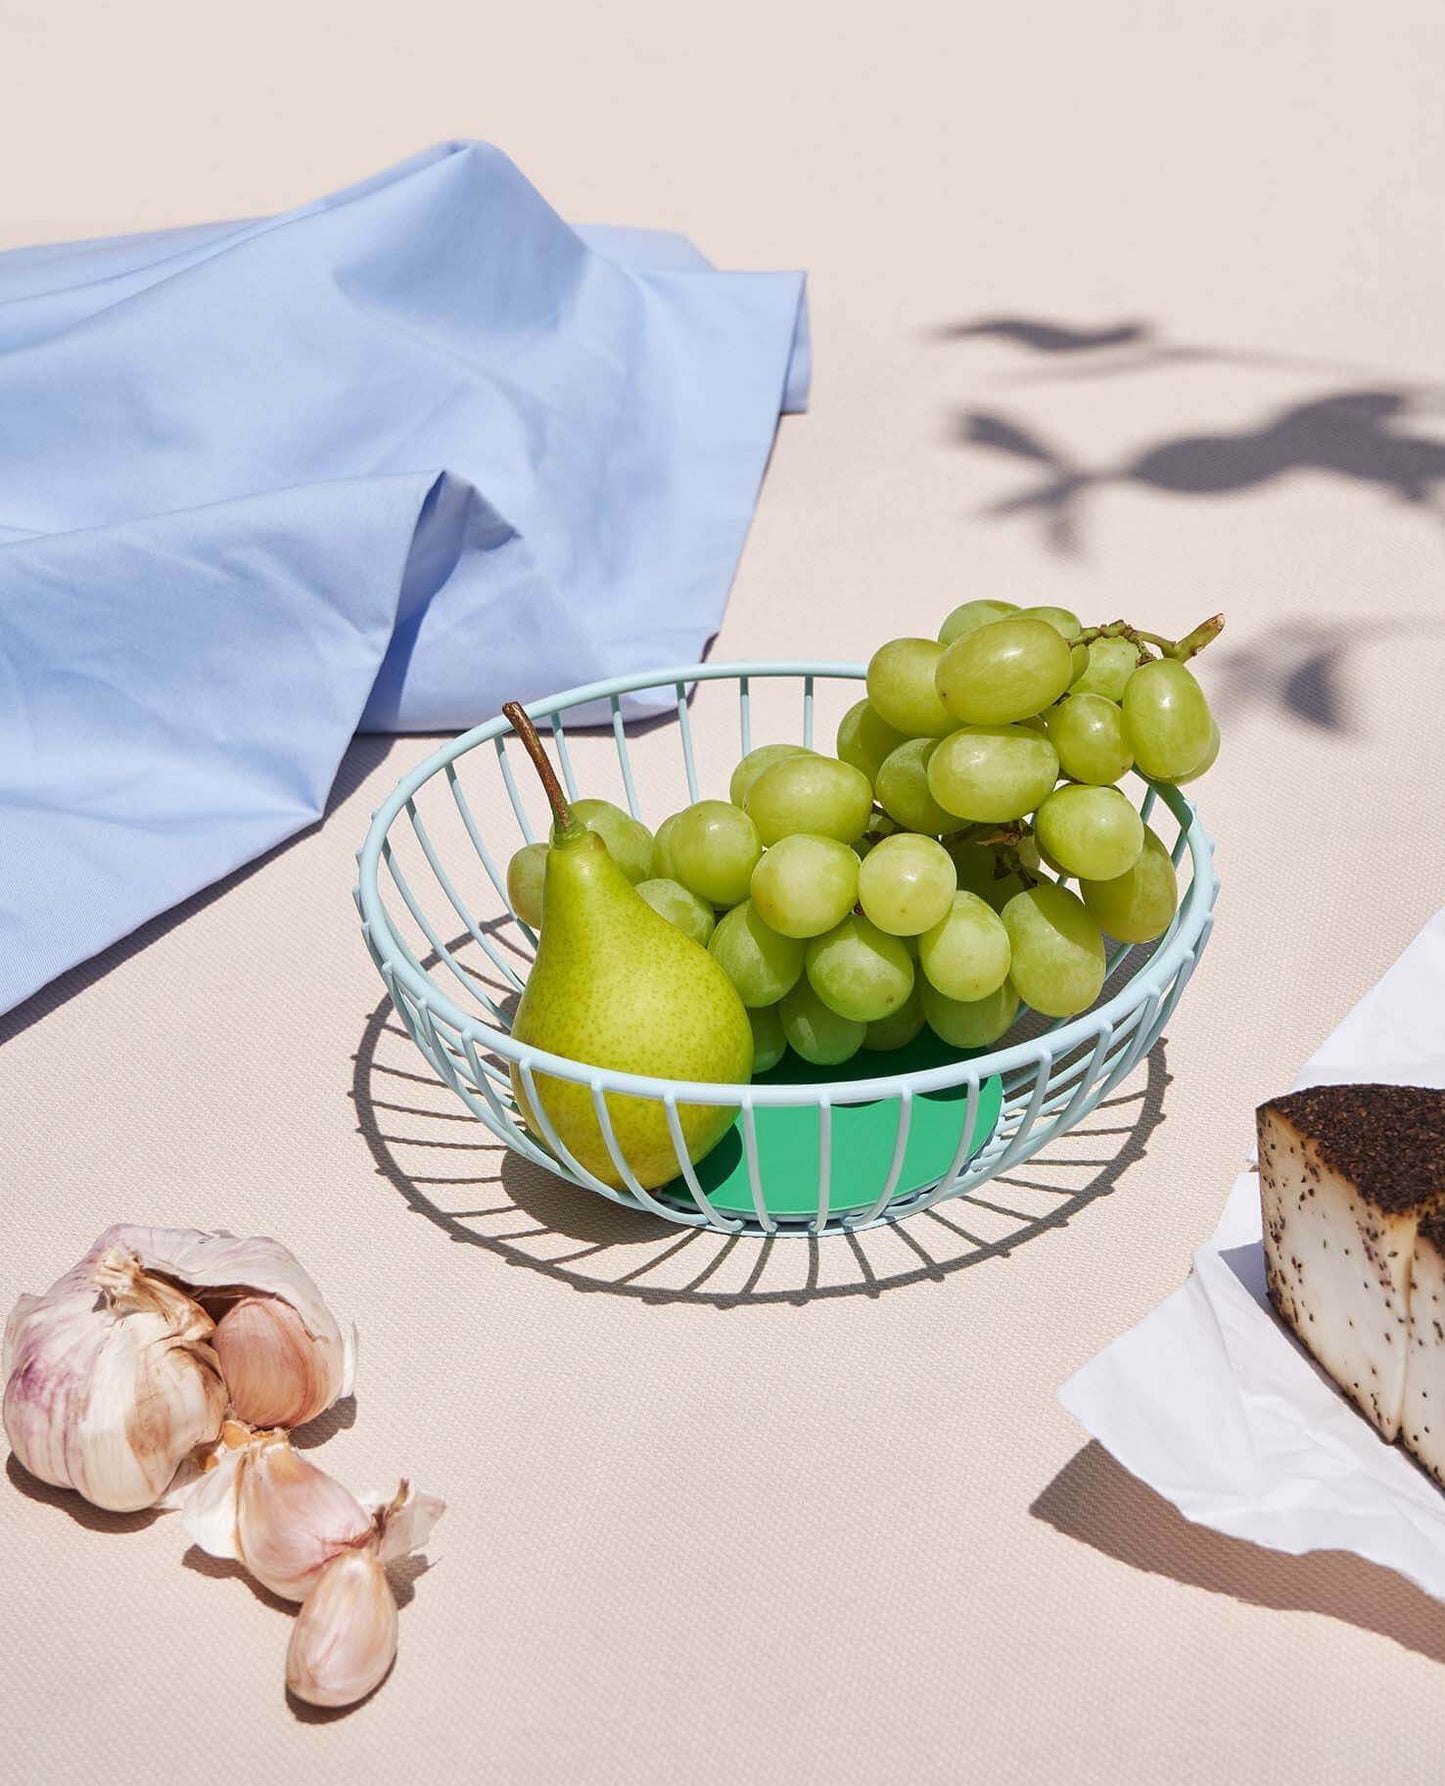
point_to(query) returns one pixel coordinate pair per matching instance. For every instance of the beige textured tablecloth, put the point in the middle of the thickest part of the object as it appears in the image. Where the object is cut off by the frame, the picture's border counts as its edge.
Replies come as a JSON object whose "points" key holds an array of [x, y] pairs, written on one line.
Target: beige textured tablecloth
{"points": [[772, 1514]]}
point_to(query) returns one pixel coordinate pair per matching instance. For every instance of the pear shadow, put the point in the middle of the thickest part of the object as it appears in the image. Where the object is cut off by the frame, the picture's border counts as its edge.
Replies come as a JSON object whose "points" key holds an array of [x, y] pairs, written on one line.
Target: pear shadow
{"points": [[66, 1500], [478, 1194], [1095, 1500]]}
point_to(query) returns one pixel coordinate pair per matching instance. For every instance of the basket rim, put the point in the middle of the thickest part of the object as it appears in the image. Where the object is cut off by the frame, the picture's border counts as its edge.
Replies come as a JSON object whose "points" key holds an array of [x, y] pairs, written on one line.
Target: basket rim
{"points": [[1182, 942]]}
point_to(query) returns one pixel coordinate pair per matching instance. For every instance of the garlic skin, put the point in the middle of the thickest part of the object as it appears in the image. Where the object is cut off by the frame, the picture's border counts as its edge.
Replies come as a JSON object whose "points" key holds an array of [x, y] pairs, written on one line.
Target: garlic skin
{"points": [[262, 1504], [344, 1640], [108, 1393], [283, 1353]]}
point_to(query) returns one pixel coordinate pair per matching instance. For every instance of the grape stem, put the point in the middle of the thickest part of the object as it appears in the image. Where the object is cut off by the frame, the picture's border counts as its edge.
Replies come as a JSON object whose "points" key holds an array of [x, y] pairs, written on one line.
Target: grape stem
{"points": [[567, 825], [1179, 649]]}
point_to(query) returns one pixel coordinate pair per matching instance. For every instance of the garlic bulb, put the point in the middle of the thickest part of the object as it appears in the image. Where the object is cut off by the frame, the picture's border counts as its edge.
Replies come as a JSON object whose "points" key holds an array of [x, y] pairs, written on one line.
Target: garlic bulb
{"points": [[261, 1503], [344, 1640], [282, 1352], [108, 1393]]}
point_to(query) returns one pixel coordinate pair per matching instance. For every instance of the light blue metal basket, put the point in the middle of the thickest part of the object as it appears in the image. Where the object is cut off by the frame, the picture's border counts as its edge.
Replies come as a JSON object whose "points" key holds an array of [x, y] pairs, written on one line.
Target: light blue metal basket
{"points": [[428, 877]]}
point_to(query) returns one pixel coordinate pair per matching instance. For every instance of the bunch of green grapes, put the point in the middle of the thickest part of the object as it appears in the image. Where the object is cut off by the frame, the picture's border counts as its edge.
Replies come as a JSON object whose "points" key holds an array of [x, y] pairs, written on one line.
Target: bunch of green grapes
{"points": [[917, 877]]}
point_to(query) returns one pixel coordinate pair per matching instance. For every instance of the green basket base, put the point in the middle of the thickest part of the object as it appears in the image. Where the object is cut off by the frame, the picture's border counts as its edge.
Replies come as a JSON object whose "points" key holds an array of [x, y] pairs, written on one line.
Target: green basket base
{"points": [[864, 1137]]}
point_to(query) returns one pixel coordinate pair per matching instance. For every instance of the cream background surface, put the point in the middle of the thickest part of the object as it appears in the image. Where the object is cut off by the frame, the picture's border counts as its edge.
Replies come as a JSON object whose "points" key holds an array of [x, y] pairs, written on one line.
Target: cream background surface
{"points": [[748, 1514]]}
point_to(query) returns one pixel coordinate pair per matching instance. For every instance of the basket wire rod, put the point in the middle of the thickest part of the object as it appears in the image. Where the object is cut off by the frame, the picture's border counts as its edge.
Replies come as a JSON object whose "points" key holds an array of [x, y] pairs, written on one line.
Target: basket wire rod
{"points": [[1019, 1139], [825, 1163], [445, 1063], [729, 1224], [484, 855], [745, 715], [509, 781], [895, 1165], [1151, 797], [560, 1148], [960, 1153], [564, 756], [1146, 1032], [471, 984], [684, 726], [478, 935], [1076, 1106], [624, 757], [755, 1177], [692, 1219], [502, 1122], [428, 986], [807, 713]]}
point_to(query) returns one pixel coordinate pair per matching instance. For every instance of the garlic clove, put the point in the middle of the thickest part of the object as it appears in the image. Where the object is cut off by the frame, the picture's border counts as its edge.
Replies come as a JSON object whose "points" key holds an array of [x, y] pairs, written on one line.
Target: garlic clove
{"points": [[344, 1639], [266, 1506], [291, 1361], [107, 1394], [276, 1373]]}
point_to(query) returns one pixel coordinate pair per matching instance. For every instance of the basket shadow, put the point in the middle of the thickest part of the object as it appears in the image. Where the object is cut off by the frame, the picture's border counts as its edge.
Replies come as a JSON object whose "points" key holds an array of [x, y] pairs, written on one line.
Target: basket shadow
{"points": [[1097, 1501], [453, 1172]]}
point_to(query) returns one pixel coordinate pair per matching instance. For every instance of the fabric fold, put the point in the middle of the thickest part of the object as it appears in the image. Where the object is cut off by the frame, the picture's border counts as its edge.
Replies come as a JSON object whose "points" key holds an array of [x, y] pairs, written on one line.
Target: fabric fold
{"points": [[383, 461]]}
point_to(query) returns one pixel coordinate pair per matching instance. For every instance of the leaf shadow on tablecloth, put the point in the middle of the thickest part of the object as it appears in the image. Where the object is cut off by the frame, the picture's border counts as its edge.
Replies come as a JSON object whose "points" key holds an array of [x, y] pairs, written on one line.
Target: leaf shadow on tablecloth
{"points": [[1095, 1500], [453, 1172]]}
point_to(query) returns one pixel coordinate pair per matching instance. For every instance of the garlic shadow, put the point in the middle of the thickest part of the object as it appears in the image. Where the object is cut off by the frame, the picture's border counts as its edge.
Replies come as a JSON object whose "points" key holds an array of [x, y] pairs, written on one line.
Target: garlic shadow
{"points": [[478, 1193], [66, 1500], [340, 1417], [1095, 1500], [201, 1562]]}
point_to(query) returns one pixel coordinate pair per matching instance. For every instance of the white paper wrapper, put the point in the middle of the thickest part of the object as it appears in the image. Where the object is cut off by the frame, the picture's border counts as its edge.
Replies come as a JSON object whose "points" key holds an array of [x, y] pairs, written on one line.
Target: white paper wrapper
{"points": [[1216, 1406]]}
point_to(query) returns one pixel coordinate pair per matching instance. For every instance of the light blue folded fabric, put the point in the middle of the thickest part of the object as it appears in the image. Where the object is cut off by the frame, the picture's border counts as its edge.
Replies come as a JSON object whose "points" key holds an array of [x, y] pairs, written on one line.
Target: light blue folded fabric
{"points": [[384, 462]]}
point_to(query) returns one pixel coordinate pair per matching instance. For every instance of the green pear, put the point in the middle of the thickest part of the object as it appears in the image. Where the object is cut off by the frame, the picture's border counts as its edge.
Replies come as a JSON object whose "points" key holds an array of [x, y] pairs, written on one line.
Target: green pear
{"points": [[616, 985]]}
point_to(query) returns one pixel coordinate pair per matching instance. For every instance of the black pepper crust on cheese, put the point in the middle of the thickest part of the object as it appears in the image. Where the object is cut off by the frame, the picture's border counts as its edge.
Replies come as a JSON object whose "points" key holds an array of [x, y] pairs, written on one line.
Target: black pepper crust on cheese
{"points": [[1388, 1140]]}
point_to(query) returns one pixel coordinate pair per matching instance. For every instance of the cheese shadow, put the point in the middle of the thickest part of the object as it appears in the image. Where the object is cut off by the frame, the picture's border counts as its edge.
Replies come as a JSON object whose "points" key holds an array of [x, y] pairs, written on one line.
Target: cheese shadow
{"points": [[1095, 1500]]}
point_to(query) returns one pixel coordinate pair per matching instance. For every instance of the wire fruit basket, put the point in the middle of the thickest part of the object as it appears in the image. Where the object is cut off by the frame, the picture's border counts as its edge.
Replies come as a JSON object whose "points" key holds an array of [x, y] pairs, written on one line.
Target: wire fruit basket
{"points": [[813, 1150]]}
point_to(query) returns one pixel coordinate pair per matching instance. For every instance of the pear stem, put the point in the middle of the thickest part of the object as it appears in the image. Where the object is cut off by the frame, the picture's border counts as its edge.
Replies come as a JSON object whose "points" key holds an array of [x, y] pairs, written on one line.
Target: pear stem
{"points": [[566, 822]]}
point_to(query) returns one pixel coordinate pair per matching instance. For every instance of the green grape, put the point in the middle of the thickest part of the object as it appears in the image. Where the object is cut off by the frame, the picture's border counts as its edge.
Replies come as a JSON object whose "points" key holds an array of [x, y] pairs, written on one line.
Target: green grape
{"points": [[1108, 666], [977, 867], [769, 1042], [966, 953], [812, 794], [859, 971], [964, 619], [628, 840], [1206, 762], [970, 1023], [906, 883], [992, 773], [864, 739], [1061, 619], [805, 885], [902, 789], [753, 764], [1138, 905], [817, 1033], [525, 874], [759, 962], [714, 849], [671, 900], [1005, 671], [663, 868], [1058, 955], [1167, 720], [1092, 833], [902, 690], [898, 1028], [1088, 733]]}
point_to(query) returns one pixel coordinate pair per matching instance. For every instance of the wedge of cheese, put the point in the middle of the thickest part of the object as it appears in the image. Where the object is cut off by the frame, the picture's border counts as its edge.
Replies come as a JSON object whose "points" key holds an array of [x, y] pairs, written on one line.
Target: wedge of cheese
{"points": [[1352, 1189]]}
